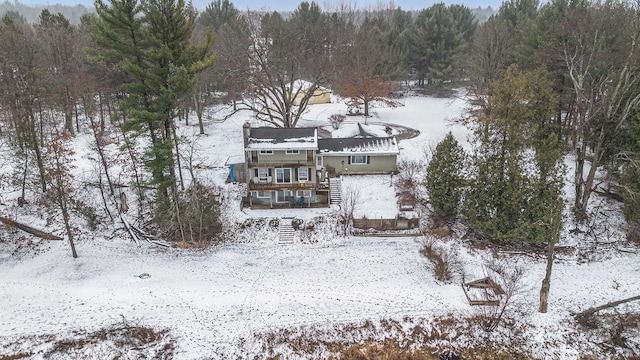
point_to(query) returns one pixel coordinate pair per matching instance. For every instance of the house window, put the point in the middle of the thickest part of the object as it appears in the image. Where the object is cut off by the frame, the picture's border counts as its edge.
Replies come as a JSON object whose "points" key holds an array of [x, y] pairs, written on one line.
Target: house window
{"points": [[263, 174], [292, 152], [303, 174], [263, 195], [359, 159], [266, 152], [319, 161], [302, 193], [283, 196], [283, 176]]}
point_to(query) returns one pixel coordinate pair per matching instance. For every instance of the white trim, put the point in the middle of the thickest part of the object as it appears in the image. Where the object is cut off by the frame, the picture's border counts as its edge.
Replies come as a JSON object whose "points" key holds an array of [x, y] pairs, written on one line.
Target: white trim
{"points": [[284, 195], [364, 158], [265, 194], [306, 174], [262, 178], [283, 176]]}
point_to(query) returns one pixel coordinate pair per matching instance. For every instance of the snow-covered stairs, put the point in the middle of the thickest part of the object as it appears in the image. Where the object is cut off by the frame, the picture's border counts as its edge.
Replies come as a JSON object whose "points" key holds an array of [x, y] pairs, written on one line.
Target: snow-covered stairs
{"points": [[335, 189], [286, 231]]}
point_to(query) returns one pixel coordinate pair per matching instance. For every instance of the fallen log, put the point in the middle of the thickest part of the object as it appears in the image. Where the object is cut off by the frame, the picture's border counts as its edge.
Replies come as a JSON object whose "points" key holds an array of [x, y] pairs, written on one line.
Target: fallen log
{"points": [[594, 310], [33, 231]]}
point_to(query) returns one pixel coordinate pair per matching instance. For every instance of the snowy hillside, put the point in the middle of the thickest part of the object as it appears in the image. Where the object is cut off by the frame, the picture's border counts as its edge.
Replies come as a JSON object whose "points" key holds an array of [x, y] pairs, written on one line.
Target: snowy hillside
{"points": [[253, 298]]}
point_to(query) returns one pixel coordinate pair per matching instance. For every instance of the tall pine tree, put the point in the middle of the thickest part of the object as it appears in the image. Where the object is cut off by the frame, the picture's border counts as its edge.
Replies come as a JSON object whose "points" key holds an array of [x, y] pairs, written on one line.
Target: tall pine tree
{"points": [[149, 40]]}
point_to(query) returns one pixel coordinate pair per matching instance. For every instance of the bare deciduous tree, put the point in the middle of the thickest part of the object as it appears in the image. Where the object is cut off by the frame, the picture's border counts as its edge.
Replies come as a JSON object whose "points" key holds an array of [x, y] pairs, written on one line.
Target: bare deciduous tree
{"points": [[58, 168], [510, 279], [350, 201]]}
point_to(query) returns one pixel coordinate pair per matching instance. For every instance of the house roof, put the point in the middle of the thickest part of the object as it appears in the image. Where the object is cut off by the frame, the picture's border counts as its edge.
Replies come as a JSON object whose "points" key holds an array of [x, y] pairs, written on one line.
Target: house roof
{"points": [[268, 138], [343, 146]]}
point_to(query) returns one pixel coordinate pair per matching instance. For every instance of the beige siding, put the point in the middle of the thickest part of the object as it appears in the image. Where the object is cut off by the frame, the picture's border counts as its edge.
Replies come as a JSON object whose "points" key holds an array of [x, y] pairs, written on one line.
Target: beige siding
{"points": [[377, 164], [281, 157], [320, 96], [294, 175]]}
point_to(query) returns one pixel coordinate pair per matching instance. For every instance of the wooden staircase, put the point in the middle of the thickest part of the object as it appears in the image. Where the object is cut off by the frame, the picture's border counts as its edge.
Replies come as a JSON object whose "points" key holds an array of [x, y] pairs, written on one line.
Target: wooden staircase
{"points": [[335, 189], [286, 231]]}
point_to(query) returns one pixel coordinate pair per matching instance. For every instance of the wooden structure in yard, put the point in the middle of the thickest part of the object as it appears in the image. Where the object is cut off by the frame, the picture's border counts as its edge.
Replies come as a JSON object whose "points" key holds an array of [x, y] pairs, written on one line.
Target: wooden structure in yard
{"points": [[483, 291]]}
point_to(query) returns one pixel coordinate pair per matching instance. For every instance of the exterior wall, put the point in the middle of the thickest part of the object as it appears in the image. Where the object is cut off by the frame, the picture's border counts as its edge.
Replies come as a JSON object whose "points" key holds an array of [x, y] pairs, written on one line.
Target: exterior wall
{"points": [[377, 164], [294, 177], [282, 156], [320, 96], [274, 195]]}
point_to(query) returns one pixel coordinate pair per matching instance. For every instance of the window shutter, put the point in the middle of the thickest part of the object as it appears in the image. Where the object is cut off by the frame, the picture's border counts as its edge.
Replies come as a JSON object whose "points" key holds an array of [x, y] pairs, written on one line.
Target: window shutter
{"points": [[270, 172], [295, 174], [368, 159], [309, 174], [256, 172], [349, 160]]}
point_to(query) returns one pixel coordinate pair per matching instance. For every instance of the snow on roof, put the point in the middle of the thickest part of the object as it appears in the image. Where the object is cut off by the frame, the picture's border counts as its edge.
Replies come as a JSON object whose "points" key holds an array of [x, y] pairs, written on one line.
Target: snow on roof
{"points": [[234, 159], [383, 145], [266, 138], [300, 84]]}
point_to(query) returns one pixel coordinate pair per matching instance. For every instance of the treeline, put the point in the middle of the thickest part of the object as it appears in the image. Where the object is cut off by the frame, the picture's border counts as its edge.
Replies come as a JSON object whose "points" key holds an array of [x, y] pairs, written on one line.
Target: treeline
{"points": [[545, 80], [31, 13]]}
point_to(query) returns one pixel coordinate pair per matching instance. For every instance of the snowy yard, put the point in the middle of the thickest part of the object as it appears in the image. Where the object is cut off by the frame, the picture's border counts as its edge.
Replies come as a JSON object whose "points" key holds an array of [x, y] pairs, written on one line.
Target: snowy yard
{"points": [[216, 301]]}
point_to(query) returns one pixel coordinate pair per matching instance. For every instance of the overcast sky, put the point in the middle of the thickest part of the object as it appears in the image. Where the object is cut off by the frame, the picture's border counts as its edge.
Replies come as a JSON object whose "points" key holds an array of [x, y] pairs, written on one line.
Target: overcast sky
{"points": [[289, 5]]}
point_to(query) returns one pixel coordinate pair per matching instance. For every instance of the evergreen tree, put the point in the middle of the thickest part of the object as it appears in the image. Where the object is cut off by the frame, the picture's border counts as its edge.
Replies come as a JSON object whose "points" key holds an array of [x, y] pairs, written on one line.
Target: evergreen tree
{"points": [[517, 164], [435, 41], [217, 14], [444, 180], [150, 42]]}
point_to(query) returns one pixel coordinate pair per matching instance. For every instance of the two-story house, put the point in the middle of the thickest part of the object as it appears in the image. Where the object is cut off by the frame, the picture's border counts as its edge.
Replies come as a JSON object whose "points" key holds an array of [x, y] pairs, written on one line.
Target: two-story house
{"points": [[292, 167], [281, 167]]}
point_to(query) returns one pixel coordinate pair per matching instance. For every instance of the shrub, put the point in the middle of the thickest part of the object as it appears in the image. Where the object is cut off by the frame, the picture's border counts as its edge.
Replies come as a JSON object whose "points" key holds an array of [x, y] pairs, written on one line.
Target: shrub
{"points": [[196, 220], [446, 263], [336, 120]]}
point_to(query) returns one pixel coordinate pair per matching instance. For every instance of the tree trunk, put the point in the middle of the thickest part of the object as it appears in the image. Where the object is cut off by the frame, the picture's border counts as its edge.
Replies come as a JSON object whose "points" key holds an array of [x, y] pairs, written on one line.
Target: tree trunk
{"points": [[593, 310], [75, 110], [68, 116], [546, 283], [29, 229], [39, 161], [175, 140], [62, 198], [197, 102], [366, 110], [24, 175], [67, 225]]}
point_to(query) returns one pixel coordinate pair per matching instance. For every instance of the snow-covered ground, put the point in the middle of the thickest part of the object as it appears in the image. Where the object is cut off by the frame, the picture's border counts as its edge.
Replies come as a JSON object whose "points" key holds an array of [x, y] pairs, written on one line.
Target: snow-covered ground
{"points": [[215, 301]]}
